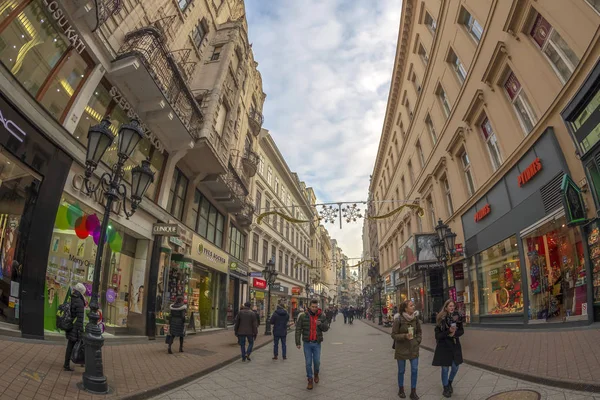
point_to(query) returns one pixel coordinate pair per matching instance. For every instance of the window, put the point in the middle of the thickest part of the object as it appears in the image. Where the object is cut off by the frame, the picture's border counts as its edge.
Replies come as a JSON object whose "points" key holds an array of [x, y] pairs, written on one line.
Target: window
{"points": [[520, 103], [409, 228], [421, 155], [287, 230], [293, 231], [255, 247], [471, 24], [261, 165], [595, 4], [274, 254], [209, 222], [403, 187], [431, 130], [448, 195], [413, 79], [281, 225], [491, 143], [554, 47], [276, 186], [258, 202], [457, 66], [423, 54], [200, 32], [265, 252], [444, 100], [466, 166], [419, 224], [221, 118], [216, 53], [183, 4], [269, 175], [267, 209], [237, 243], [431, 211], [287, 267], [283, 194], [430, 23], [411, 173], [274, 217], [280, 261], [177, 194]]}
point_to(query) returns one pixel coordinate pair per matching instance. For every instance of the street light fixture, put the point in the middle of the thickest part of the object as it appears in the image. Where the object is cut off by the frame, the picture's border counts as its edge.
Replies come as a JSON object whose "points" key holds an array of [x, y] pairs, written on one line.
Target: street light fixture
{"points": [[100, 139], [270, 275], [307, 289], [444, 246], [379, 289]]}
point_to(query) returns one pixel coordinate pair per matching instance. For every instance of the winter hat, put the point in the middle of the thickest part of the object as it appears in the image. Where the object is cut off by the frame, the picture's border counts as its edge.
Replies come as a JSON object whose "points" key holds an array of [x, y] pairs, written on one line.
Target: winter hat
{"points": [[80, 288], [279, 307]]}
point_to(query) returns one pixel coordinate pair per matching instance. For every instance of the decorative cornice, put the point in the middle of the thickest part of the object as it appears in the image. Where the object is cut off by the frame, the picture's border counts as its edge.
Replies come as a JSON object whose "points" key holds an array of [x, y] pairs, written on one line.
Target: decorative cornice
{"points": [[457, 139], [476, 102], [439, 167], [426, 182], [496, 61]]}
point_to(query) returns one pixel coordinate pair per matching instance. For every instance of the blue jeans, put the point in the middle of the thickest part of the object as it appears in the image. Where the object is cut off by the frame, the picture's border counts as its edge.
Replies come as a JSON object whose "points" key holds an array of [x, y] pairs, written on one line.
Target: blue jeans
{"points": [[276, 346], [414, 372], [242, 342], [312, 355], [453, 371]]}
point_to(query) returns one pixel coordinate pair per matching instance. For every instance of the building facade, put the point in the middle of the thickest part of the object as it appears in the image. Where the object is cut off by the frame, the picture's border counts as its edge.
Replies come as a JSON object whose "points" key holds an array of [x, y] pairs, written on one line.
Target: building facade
{"points": [[478, 133], [186, 71]]}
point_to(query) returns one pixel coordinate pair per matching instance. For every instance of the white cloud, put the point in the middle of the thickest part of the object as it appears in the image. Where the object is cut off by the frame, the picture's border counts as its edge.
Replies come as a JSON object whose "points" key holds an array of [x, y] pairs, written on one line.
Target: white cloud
{"points": [[326, 68]]}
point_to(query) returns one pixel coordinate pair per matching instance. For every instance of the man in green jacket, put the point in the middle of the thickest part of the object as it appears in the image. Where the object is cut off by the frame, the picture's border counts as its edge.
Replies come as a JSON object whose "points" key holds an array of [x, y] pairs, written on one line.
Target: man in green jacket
{"points": [[309, 329]]}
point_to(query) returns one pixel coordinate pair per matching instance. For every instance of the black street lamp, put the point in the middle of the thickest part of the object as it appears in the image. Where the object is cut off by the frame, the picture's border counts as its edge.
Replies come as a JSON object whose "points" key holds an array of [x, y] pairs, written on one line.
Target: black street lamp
{"points": [[270, 276], [379, 289], [100, 139], [307, 289], [444, 245]]}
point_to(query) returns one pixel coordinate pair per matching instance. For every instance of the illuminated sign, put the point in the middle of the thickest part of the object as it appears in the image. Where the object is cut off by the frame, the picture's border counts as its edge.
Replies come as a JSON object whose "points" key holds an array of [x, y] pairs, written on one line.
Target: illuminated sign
{"points": [[484, 212], [530, 171]]}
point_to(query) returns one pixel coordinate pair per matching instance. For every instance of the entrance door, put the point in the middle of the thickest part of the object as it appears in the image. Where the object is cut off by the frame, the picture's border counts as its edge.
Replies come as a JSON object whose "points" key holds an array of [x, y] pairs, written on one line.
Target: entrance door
{"points": [[18, 193]]}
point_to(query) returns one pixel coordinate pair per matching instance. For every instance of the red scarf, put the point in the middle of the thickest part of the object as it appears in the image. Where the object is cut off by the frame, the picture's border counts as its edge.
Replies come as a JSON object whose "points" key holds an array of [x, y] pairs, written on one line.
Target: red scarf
{"points": [[313, 325]]}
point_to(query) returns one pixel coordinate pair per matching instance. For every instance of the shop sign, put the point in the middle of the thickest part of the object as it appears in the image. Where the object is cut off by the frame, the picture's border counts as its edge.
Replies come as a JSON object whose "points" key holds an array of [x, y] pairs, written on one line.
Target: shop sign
{"points": [[483, 212], [255, 274], [78, 183], [430, 265], [458, 248], [125, 106], [296, 290], [388, 279], [530, 172], [276, 287], [572, 202], [259, 283], [59, 16], [176, 240], [452, 294], [407, 253], [209, 254], [14, 129], [459, 272], [165, 229]]}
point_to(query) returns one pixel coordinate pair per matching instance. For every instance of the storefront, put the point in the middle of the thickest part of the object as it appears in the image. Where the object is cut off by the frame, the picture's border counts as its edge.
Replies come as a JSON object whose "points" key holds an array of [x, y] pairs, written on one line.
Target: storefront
{"points": [[526, 263], [296, 300], [280, 295], [209, 283], [32, 177], [582, 118], [389, 291], [238, 287], [258, 293], [401, 287]]}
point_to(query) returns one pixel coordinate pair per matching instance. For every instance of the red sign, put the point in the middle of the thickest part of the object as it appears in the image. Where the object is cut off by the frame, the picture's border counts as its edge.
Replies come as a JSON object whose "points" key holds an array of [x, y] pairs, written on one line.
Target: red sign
{"points": [[296, 290], [484, 212], [259, 283], [530, 171]]}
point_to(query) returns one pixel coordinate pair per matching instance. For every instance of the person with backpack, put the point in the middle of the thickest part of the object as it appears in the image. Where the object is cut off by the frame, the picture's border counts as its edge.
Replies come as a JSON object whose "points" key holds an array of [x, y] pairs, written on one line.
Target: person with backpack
{"points": [[177, 321], [407, 336], [75, 321]]}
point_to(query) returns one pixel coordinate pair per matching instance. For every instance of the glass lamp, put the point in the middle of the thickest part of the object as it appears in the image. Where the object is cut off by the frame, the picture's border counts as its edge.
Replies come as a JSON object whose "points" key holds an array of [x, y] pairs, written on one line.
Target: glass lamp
{"points": [[129, 136], [141, 178], [99, 140]]}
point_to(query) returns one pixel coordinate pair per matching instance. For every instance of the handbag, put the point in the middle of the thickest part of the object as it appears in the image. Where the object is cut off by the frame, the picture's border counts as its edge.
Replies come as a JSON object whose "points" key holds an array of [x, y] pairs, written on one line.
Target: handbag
{"points": [[78, 353], [169, 339]]}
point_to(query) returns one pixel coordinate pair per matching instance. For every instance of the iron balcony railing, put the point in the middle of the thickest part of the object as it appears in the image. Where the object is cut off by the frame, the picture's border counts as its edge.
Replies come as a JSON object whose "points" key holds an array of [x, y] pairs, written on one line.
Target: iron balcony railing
{"points": [[104, 10], [244, 217], [255, 120], [148, 44]]}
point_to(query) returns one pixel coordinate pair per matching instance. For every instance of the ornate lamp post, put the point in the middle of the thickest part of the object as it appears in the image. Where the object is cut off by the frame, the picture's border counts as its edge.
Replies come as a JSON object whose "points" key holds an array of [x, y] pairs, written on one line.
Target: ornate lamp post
{"points": [[270, 275], [444, 245], [100, 139], [307, 289], [379, 289]]}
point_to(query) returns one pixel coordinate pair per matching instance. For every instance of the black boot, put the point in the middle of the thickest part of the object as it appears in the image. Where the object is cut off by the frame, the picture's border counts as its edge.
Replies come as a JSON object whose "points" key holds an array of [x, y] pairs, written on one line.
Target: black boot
{"points": [[401, 393], [170, 351], [413, 394], [450, 388], [446, 392]]}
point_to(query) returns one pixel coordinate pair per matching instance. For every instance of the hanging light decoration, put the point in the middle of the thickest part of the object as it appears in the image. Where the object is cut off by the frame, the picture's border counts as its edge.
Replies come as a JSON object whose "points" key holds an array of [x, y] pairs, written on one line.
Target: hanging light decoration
{"points": [[351, 213], [328, 213]]}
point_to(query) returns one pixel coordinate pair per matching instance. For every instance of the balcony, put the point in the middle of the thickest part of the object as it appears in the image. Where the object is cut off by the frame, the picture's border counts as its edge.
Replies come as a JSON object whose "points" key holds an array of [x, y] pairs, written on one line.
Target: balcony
{"points": [[250, 162], [102, 11], [228, 190], [146, 69], [245, 216], [255, 120]]}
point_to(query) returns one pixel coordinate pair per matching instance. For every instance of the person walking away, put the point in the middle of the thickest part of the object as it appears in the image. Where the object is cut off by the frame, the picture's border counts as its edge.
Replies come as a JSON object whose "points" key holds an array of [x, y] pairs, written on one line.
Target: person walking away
{"points": [[407, 335], [448, 351], [255, 311], [345, 313], [177, 321], [309, 330], [350, 314], [279, 321], [329, 315], [246, 328], [335, 312], [77, 315]]}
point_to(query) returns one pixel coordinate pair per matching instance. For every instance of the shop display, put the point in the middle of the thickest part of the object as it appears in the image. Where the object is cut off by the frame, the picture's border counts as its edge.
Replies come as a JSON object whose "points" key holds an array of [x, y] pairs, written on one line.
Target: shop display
{"points": [[593, 240]]}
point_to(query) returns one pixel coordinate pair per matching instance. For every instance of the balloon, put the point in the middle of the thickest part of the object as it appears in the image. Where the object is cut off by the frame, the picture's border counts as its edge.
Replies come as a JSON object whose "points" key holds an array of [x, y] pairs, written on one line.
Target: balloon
{"points": [[73, 213], [96, 235], [92, 223], [61, 221], [111, 233], [80, 227], [117, 243]]}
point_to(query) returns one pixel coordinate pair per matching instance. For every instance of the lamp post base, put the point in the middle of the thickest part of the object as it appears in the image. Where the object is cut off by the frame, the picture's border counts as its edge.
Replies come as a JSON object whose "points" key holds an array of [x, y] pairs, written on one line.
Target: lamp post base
{"points": [[94, 380]]}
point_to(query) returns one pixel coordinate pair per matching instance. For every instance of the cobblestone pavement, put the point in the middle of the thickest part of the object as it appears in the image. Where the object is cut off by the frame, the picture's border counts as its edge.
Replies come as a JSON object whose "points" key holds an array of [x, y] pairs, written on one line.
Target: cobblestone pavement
{"points": [[357, 363]]}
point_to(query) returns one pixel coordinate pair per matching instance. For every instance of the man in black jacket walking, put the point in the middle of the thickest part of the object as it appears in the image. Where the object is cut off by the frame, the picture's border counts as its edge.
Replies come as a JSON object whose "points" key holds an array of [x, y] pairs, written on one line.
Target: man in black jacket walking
{"points": [[246, 328], [77, 313], [279, 321]]}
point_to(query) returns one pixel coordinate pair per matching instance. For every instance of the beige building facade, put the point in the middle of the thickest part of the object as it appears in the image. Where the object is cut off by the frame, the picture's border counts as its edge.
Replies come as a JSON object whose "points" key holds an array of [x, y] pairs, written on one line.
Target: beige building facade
{"points": [[475, 134]]}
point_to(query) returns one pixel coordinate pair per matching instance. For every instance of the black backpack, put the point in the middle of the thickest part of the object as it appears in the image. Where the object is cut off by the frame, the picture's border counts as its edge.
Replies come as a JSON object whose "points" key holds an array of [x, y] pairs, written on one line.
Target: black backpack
{"points": [[63, 315]]}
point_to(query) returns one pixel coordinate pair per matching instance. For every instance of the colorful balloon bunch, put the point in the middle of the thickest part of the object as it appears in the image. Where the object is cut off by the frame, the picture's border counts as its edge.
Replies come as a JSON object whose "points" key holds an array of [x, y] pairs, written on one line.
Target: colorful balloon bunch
{"points": [[71, 216]]}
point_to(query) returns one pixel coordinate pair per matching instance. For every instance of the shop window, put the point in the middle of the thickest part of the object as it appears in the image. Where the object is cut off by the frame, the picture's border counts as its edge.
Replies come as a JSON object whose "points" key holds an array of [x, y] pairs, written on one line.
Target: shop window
{"points": [[520, 102], [177, 194], [431, 129], [489, 136], [40, 58], [499, 279], [209, 222], [255, 241], [237, 243], [560, 55], [467, 172], [591, 110], [556, 272], [471, 24]]}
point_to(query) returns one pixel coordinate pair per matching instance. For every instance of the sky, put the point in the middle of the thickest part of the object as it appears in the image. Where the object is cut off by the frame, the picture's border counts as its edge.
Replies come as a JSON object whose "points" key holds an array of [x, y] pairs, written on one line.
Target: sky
{"points": [[326, 67]]}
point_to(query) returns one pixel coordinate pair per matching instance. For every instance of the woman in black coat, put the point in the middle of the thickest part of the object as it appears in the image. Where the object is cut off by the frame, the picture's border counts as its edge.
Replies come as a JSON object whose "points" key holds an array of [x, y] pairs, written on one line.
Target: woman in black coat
{"points": [[448, 352], [177, 321], [77, 315]]}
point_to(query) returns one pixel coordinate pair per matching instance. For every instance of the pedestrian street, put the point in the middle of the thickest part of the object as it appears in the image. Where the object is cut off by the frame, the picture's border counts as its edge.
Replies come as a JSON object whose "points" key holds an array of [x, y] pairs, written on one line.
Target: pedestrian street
{"points": [[357, 362]]}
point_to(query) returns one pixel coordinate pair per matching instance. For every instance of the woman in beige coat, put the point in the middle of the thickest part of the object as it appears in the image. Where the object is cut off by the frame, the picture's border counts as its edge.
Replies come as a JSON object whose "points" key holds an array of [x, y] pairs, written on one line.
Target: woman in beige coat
{"points": [[407, 339]]}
